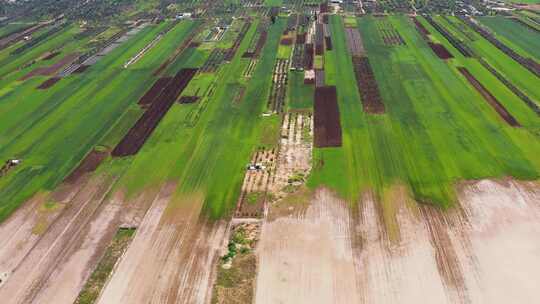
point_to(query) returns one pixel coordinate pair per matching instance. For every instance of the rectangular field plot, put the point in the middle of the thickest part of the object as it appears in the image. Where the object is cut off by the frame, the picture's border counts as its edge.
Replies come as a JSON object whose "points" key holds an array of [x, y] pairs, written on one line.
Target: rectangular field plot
{"points": [[327, 127], [436, 130], [136, 137], [497, 106], [367, 85]]}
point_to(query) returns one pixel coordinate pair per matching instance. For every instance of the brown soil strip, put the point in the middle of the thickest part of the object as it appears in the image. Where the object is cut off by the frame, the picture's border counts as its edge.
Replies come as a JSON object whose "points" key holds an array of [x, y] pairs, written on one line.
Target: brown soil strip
{"points": [[309, 249], [446, 258], [319, 39], [421, 28], [154, 91], [459, 45], [188, 99], [55, 265], [4, 42], [50, 56], [286, 41], [88, 164], [493, 102], [229, 54], [48, 83], [327, 129], [440, 50], [137, 136], [531, 104], [308, 56], [328, 42], [50, 70], [367, 86]]}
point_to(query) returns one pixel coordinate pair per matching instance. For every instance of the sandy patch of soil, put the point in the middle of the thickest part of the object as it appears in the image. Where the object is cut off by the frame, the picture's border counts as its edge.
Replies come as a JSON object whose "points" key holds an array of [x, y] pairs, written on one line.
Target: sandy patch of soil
{"points": [[171, 257], [485, 250], [307, 257], [46, 264]]}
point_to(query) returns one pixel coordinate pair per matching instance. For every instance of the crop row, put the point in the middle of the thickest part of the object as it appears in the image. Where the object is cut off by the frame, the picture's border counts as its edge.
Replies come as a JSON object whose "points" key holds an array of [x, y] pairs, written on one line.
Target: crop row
{"points": [[528, 63], [460, 46]]}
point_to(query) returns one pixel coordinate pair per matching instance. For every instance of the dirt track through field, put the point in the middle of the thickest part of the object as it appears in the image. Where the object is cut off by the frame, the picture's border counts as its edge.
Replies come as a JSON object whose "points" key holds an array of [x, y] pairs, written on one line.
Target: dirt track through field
{"points": [[485, 250]]}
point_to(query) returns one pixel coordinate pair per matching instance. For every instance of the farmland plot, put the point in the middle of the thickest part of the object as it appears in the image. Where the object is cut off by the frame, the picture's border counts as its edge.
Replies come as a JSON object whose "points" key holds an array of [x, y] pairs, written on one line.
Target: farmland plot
{"points": [[400, 146], [24, 124], [519, 76], [178, 220]]}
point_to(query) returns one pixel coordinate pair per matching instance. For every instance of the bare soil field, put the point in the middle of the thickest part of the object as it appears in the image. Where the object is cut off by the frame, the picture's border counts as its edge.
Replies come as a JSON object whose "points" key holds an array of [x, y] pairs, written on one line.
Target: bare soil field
{"points": [[367, 86], [319, 39], [485, 250], [327, 127], [48, 83], [493, 102], [154, 91], [310, 250], [87, 165], [440, 50], [171, 258], [308, 56], [51, 70], [137, 135]]}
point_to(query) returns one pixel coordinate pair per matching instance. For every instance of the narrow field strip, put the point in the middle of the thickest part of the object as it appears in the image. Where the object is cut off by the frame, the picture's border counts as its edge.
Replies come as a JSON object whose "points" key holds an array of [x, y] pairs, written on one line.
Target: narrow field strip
{"points": [[497, 106]]}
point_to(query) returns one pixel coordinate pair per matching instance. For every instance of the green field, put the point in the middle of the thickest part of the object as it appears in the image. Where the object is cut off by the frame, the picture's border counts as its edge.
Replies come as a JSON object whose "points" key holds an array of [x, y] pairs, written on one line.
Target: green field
{"points": [[437, 130], [208, 159], [517, 74], [520, 38], [52, 130]]}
